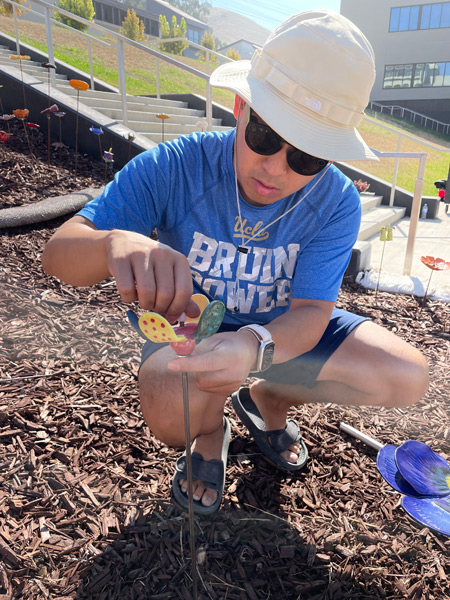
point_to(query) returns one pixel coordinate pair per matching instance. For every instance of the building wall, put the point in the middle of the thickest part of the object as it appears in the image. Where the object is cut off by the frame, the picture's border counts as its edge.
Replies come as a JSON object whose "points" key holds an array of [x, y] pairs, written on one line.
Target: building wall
{"points": [[413, 47]]}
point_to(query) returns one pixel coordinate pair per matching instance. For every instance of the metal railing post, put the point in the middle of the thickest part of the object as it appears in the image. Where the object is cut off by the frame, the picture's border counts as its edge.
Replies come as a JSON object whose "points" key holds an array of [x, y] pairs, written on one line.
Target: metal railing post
{"points": [[158, 87], [51, 56], [207, 61], [122, 83], [394, 179], [16, 30], [414, 219], [208, 106], [91, 69]]}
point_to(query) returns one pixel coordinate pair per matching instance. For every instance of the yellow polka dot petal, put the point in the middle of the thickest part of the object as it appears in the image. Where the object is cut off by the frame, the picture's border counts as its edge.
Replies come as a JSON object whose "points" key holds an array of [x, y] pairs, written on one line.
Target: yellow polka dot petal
{"points": [[202, 302], [157, 329]]}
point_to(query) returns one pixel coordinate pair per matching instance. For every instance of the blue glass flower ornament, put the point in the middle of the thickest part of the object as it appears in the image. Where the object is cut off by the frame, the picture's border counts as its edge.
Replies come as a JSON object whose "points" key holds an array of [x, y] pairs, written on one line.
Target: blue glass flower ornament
{"points": [[432, 512], [388, 468], [96, 130], [427, 472]]}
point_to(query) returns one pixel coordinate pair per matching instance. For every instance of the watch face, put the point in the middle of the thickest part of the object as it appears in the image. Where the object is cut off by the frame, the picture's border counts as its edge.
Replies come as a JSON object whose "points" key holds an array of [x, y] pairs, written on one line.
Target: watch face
{"points": [[267, 358]]}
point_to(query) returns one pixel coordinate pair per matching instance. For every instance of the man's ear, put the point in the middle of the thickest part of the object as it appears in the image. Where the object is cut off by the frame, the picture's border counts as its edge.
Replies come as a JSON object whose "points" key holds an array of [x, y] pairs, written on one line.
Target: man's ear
{"points": [[238, 106]]}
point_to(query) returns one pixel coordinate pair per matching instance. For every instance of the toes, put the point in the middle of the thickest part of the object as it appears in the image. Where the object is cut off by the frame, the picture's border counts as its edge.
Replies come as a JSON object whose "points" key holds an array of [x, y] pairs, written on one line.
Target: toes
{"points": [[199, 491]]}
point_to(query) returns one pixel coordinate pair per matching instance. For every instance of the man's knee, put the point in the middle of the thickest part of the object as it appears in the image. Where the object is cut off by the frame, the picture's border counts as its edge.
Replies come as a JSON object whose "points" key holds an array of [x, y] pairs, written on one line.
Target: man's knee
{"points": [[409, 380]]}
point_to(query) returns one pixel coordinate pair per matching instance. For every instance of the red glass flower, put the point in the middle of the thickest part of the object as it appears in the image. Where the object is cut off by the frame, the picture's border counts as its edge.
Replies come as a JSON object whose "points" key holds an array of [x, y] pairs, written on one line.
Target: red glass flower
{"points": [[436, 264], [4, 137], [32, 125]]}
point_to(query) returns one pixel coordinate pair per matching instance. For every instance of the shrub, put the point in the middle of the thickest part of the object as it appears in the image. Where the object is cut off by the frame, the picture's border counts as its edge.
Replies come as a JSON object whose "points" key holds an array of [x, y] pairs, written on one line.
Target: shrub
{"points": [[7, 9], [81, 8], [172, 32], [133, 27], [207, 42], [233, 54]]}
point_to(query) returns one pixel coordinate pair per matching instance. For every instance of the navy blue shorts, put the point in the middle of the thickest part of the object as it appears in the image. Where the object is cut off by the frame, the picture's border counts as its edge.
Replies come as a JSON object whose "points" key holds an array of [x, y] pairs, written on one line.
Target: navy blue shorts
{"points": [[303, 369]]}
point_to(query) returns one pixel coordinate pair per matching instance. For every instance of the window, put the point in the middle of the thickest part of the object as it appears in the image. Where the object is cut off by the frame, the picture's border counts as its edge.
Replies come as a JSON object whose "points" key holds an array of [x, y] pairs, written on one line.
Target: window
{"points": [[434, 74], [430, 16], [193, 36]]}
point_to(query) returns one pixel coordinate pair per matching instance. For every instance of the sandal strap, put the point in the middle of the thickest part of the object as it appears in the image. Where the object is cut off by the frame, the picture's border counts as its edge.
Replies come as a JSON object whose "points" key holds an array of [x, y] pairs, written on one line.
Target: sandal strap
{"points": [[209, 471], [281, 439]]}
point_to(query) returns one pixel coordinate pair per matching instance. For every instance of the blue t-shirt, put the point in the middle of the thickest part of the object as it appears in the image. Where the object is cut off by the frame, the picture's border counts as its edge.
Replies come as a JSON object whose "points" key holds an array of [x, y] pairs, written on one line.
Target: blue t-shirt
{"points": [[186, 190]]}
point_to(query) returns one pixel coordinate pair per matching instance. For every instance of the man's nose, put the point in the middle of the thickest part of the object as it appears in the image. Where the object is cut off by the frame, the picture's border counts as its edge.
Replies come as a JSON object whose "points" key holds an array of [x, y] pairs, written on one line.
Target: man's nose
{"points": [[276, 164]]}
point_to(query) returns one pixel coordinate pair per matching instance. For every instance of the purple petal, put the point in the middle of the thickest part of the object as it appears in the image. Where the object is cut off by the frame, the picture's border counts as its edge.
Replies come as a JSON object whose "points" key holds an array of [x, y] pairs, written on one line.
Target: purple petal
{"points": [[388, 469], [432, 512], [426, 471]]}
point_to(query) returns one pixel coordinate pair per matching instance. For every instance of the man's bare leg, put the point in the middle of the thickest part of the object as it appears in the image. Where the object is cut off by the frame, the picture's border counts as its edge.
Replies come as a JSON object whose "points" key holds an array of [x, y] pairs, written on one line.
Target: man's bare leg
{"points": [[371, 367]]}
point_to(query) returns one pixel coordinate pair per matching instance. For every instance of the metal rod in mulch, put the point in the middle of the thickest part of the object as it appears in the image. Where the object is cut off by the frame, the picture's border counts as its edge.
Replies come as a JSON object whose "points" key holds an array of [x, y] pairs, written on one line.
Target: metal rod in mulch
{"points": [[163, 118], [50, 108], [417, 472], [79, 86], [20, 58], [22, 114], [386, 235], [183, 339]]}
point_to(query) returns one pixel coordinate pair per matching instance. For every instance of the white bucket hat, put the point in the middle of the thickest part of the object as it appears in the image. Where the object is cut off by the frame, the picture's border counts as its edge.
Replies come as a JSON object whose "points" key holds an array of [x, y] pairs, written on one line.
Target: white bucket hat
{"points": [[310, 82]]}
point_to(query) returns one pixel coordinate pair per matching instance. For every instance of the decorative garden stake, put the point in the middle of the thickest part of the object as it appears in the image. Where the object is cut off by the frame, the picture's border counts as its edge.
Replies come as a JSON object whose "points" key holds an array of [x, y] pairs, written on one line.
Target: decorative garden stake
{"points": [[130, 138], [20, 58], [417, 472], [1, 101], [108, 157], [98, 131], [386, 235], [80, 86], [32, 127], [60, 114], [48, 113], [182, 339], [163, 117], [22, 114], [435, 264], [7, 119], [4, 137]]}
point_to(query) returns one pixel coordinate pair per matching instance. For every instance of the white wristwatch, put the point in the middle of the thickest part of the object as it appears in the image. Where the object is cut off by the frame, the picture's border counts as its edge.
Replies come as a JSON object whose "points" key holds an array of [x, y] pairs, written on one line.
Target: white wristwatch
{"points": [[266, 347]]}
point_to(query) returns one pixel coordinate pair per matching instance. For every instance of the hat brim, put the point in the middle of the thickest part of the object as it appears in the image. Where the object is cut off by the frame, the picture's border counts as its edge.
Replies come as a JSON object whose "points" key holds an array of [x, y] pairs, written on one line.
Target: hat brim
{"points": [[300, 127]]}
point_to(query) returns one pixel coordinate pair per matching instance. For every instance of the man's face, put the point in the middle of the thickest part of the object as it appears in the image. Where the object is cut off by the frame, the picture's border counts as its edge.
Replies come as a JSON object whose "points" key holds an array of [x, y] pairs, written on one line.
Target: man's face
{"points": [[262, 179]]}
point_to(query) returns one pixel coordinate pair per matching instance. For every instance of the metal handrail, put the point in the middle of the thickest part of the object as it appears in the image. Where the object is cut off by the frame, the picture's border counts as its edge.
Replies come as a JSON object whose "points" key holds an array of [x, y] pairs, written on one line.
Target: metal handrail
{"points": [[445, 126], [120, 41]]}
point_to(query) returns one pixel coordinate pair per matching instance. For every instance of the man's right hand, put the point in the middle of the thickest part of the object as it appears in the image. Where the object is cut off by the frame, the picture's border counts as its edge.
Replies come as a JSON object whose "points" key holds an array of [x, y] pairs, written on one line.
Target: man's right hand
{"points": [[144, 269]]}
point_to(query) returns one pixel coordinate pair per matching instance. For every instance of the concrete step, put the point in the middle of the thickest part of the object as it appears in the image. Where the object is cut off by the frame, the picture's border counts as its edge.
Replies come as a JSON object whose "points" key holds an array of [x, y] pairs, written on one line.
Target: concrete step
{"points": [[67, 89], [149, 122], [5, 59], [139, 107], [376, 218], [369, 201], [157, 137], [38, 72]]}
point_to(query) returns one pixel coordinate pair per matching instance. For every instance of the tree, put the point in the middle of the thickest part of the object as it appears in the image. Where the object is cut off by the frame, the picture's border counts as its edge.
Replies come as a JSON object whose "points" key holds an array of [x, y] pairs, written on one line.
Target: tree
{"points": [[133, 27], [81, 8], [207, 42], [172, 32], [233, 54], [7, 9], [196, 8]]}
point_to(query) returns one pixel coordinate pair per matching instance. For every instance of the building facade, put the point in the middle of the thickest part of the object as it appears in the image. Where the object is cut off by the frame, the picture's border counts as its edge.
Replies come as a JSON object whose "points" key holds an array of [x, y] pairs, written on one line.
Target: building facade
{"points": [[411, 42]]}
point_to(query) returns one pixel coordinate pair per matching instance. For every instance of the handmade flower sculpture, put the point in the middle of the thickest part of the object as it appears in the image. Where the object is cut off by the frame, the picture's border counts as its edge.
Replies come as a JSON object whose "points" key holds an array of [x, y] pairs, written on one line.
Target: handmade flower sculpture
{"points": [[32, 127], [79, 86], [423, 476], [361, 186], [60, 114], [163, 118], [51, 109], [98, 131], [22, 114], [386, 235], [7, 119], [435, 264], [108, 157], [20, 58], [4, 137]]}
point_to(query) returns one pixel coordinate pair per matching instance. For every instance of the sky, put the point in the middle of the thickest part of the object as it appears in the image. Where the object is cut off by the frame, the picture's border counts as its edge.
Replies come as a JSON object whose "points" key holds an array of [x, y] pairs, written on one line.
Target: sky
{"points": [[269, 14]]}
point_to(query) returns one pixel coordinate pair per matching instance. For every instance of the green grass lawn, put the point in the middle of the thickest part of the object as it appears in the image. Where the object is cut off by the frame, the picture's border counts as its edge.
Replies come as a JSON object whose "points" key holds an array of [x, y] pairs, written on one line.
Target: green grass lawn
{"points": [[71, 48]]}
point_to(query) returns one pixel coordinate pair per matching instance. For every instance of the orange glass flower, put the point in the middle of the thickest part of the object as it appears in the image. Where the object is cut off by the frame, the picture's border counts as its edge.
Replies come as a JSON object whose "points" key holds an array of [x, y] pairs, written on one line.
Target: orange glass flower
{"points": [[20, 57], [163, 116], [4, 137], [436, 264], [21, 113], [79, 85]]}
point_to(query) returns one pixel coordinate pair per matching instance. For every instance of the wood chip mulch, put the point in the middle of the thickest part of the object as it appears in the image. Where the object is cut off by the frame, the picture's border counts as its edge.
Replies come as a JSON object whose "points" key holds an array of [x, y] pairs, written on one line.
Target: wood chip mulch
{"points": [[85, 509]]}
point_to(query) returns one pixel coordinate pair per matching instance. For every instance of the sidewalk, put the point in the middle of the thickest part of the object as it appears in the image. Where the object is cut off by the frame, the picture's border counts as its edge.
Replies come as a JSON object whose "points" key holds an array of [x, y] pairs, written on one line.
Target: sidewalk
{"points": [[432, 239]]}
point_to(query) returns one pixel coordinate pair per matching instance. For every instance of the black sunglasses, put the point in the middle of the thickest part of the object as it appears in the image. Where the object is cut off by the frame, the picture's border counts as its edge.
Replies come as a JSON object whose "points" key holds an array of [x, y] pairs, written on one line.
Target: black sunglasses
{"points": [[262, 139]]}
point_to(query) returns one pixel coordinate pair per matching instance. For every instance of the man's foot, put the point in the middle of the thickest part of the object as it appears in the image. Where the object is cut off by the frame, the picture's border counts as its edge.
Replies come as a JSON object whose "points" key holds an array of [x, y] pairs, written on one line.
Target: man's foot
{"points": [[274, 413], [278, 439], [209, 457]]}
